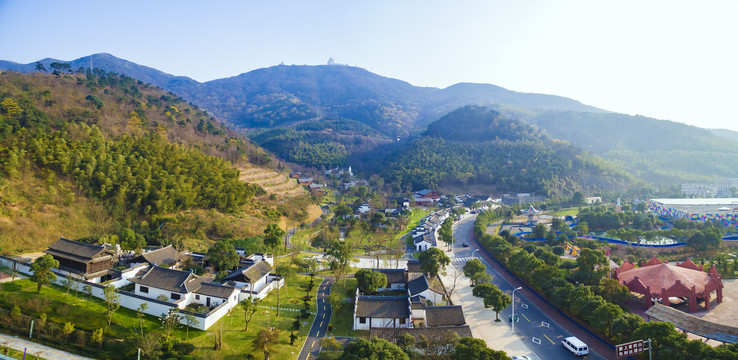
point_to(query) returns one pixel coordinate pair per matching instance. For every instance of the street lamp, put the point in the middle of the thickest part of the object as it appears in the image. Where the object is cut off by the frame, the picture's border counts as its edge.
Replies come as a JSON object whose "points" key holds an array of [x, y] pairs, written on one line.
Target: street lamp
{"points": [[513, 308], [475, 250]]}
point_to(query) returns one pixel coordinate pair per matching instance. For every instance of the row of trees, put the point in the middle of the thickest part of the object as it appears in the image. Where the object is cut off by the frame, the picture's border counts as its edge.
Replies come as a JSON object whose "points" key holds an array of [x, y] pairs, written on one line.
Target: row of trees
{"points": [[596, 300]]}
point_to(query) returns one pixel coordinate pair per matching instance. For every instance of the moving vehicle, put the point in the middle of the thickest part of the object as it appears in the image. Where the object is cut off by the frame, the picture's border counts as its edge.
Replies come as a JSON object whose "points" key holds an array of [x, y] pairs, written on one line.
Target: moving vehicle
{"points": [[576, 346], [465, 244]]}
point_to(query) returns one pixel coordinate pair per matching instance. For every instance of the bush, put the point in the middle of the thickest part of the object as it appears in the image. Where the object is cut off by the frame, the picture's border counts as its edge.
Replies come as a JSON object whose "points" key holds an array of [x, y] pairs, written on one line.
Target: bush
{"points": [[558, 250]]}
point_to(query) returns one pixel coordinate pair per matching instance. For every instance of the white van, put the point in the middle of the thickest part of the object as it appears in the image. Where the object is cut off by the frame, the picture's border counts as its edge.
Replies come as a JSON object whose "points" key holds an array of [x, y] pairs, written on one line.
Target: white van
{"points": [[576, 346]]}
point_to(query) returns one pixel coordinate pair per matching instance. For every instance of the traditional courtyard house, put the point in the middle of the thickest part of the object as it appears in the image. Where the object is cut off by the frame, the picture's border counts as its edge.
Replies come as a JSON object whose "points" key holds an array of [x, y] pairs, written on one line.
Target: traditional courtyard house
{"points": [[424, 242], [182, 288], [316, 189], [421, 289], [166, 257], [83, 261], [305, 181], [395, 278], [252, 279], [381, 312]]}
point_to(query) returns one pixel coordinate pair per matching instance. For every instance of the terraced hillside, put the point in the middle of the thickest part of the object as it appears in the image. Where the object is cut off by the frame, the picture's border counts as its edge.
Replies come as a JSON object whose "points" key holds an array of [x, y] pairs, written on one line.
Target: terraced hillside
{"points": [[272, 182]]}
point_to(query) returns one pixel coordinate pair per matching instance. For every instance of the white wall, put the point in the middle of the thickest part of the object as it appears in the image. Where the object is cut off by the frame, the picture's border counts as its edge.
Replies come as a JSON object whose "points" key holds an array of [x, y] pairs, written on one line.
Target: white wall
{"points": [[380, 323]]}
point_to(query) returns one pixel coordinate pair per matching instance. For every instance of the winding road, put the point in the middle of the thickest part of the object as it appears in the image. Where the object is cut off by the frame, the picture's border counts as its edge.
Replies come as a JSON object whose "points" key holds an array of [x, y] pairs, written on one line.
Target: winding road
{"points": [[312, 345]]}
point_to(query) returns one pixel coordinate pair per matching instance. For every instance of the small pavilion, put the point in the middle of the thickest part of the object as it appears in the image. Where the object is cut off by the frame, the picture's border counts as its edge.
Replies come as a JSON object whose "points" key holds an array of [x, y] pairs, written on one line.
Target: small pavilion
{"points": [[658, 282], [531, 212]]}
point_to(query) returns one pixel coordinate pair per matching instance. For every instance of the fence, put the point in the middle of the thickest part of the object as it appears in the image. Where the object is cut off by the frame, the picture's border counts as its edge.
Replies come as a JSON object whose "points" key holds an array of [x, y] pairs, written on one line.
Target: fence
{"points": [[132, 301]]}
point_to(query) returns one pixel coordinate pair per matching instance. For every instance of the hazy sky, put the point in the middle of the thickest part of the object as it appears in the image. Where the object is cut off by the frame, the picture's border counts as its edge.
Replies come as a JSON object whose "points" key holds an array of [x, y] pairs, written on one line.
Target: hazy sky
{"points": [[664, 59]]}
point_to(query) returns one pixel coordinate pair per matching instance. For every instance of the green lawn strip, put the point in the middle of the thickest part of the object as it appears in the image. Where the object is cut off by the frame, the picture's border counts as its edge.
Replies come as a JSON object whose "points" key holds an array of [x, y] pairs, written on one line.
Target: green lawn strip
{"points": [[237, 343], [343, 320], [85, 313], [18, 354]]}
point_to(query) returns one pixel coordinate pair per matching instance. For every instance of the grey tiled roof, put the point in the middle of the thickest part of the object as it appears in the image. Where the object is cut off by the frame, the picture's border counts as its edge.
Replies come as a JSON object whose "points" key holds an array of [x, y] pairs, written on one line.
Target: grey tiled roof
{"points": [[413, 265], [383, 306], [214, 290], [418, 285], [167, 255], [444, 316], [170, 280], [78, 251], [393, 275], [430, 333], [250, 273]]}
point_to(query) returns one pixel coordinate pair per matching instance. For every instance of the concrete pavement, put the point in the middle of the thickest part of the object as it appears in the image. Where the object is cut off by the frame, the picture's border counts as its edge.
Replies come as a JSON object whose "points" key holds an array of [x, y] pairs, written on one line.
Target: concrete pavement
{"points": [[33, 349]]}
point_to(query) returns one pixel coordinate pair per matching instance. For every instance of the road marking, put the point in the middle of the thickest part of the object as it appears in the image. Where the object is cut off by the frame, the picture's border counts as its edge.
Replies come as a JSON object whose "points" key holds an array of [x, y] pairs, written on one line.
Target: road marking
{"points": [[524, 306], [526, 318], [311, 345], [535, 341], [544, 324], [321, 324], [549, 339]]}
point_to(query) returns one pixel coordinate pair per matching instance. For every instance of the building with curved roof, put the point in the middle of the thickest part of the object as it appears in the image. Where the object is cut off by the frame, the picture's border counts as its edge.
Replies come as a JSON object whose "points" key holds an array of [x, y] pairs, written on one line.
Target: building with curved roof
{"points": [[658, 282]]}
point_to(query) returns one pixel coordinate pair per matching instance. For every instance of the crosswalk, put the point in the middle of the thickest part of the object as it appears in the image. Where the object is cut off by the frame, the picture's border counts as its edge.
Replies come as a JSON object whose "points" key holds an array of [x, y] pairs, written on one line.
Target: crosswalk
{"points": [[457, 259]]}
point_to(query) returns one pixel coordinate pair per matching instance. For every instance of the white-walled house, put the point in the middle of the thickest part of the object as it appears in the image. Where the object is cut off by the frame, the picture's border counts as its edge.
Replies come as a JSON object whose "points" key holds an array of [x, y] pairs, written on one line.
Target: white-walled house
{"points": [[182, 288], [424, 242], [251, 278], [381, 312]]}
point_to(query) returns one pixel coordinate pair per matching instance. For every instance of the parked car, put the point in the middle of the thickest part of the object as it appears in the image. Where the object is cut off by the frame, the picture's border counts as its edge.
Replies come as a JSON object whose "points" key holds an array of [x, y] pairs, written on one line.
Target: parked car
{"points": [[521, 357], [576, 346], [465, 244]]}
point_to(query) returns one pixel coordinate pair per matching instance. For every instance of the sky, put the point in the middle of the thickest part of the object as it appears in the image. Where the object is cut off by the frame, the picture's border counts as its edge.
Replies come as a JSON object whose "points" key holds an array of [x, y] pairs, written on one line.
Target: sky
{"points": [[674, 60]]}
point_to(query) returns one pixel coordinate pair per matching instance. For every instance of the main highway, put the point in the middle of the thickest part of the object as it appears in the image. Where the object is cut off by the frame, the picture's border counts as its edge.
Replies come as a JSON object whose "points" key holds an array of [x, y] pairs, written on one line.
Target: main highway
{"points": [[542, 331]]}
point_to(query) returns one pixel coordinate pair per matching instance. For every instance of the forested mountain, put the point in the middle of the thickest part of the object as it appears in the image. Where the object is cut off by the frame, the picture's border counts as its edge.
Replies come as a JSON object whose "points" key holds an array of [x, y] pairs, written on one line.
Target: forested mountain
{"points": [[91, 153], [333, 114], [654, 150], [477, 148]]}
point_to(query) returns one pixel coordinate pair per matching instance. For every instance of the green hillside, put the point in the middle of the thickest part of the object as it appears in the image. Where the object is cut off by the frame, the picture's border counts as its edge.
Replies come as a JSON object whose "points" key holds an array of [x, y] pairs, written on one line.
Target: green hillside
{"points": [[654, 150], [111, 155], [478, 148]]}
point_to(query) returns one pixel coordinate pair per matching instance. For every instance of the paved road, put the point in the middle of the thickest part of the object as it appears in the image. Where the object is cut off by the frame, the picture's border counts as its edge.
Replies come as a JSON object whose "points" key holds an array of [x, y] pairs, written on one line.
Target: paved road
{"points": [[33, 349], [312, 346], [539, 331]]}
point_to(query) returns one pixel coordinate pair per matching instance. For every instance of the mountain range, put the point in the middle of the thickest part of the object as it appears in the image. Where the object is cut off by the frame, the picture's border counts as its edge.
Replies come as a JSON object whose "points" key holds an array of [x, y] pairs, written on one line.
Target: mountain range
{"points": [[332, 114]]}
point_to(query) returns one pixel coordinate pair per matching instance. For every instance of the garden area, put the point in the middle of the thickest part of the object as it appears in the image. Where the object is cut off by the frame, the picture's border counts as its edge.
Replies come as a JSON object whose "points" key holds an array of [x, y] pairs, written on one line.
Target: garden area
{"points": [[70, 320]]}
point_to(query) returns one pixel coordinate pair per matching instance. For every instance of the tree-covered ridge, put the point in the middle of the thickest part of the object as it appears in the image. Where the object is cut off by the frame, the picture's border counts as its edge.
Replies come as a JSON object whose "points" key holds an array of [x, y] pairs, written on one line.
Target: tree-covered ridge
{"points": [[119, 104], [320, 143], [479, 124], [651, 149], [132, 175], [513, 158]]}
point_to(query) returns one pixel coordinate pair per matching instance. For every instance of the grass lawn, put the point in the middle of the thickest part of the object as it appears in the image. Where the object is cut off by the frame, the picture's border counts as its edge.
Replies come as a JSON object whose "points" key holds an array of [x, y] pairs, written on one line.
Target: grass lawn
{"points": [[85, 313], [17, 354], [565, 212], [342, 320], [237, 342]]}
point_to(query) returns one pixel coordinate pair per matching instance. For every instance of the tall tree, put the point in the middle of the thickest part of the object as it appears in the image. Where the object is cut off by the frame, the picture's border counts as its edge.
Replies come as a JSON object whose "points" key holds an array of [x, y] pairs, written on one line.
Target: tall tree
{"points": [[40, 67], [249, 307], [42, 274], [288, 273], [339, 257], [273, 236], [433, 261], [112, 301], [473, 267], [223, 255], [369, 280]]}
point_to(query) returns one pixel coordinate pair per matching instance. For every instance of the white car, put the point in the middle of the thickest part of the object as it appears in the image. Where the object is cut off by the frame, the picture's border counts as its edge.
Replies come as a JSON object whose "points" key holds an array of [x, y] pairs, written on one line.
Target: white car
{"points": [[522, 357]]}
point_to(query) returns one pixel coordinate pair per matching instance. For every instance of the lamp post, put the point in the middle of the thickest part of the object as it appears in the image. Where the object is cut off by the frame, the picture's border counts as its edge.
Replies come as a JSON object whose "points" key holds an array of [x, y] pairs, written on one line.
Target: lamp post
{"points": [[513, 308], [475, 250]]}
